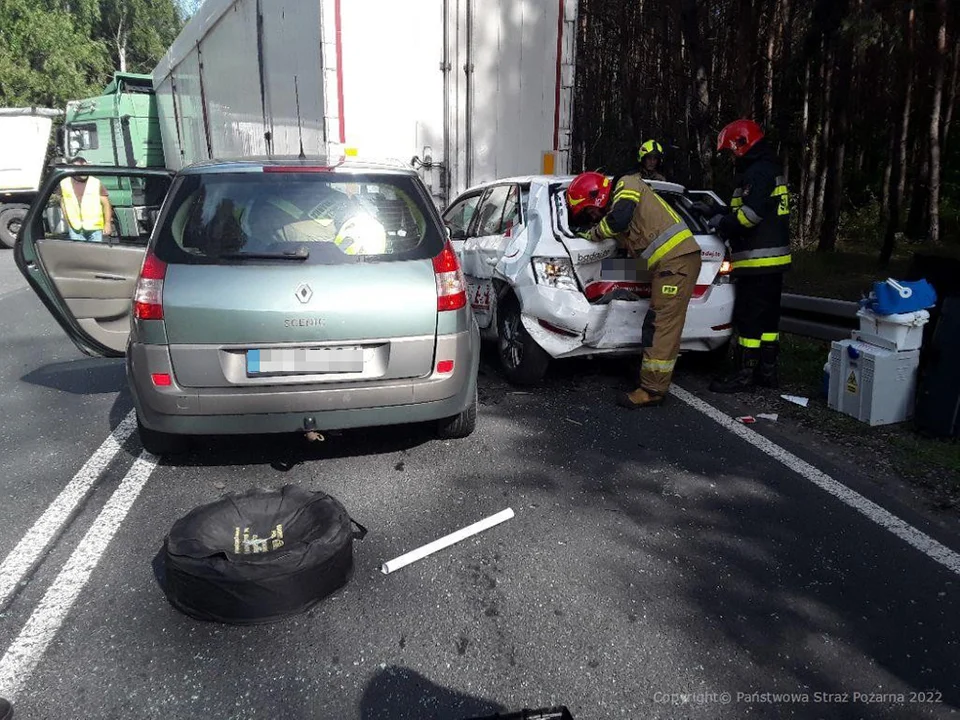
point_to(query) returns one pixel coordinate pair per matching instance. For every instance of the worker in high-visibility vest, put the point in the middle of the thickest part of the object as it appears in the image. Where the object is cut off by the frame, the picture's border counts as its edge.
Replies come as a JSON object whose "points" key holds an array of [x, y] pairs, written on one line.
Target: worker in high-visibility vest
{"points": [[86, 206]]}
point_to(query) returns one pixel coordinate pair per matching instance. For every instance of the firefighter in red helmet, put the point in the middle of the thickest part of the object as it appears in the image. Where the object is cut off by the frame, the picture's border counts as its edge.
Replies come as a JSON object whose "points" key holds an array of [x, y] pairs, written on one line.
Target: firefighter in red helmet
{"points": [[757, 228], [629, 211]]}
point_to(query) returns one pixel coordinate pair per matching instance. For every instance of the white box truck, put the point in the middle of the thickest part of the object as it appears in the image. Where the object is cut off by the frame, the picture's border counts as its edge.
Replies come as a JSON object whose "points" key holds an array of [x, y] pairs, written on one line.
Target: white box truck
{"points": [[466, 90], [24, 142]]}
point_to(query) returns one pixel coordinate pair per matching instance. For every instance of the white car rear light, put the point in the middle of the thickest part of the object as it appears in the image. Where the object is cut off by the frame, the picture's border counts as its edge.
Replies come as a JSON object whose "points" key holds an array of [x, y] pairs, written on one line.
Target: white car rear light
{"points": [[148, 296], [451, 289]]}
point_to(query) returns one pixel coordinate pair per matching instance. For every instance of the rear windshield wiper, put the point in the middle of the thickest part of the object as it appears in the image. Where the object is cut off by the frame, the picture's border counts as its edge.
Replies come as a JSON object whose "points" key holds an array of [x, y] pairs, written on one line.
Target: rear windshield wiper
{"points": [[300, 253]]}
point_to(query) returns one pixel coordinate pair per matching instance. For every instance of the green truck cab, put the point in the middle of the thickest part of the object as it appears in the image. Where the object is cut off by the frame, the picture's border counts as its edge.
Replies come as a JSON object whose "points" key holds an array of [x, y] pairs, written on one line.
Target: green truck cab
{"points": [[120, 128]]}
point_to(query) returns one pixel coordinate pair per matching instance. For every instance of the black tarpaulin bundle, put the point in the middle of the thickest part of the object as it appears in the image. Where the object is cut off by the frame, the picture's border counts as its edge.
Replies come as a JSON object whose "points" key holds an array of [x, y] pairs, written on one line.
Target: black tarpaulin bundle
{"points": [[257, 556]]}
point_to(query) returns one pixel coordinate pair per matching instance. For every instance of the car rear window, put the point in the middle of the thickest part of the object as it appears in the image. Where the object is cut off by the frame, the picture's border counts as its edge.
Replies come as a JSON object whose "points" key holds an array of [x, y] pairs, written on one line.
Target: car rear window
{"points": [[331, 218]]}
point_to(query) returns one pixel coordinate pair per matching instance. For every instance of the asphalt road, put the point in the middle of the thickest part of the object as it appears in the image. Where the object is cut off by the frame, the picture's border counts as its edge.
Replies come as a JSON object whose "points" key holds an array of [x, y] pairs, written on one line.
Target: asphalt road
{"points": [[659, 565]]}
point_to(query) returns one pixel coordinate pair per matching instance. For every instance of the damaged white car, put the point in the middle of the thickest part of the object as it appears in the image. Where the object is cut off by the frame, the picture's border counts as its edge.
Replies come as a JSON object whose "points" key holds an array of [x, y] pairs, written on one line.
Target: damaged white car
{"points": [[542, 292]]}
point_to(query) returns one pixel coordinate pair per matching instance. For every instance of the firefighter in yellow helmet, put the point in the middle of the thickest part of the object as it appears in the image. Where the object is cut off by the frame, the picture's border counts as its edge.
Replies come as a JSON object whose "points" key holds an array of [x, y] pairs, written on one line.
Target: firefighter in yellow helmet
{"points": [[650, 156], [642, 222], [85, 206]]}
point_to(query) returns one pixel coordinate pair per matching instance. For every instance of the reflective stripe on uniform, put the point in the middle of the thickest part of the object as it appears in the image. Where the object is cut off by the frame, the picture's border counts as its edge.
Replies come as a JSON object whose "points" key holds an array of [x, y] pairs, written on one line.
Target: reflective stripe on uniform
{"points": [[670, 210], [782, 192], [752, 343], [760, 253], [603, 229], [737, 200], [762, 262], [666, 242], [770, 337], [632, 195], [747, 217], [288, 207], [660, 366]]}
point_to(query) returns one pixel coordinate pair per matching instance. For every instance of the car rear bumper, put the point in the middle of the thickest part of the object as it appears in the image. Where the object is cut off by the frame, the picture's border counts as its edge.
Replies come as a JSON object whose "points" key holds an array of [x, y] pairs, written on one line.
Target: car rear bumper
{"points": [[616, 328], [276, 409]]}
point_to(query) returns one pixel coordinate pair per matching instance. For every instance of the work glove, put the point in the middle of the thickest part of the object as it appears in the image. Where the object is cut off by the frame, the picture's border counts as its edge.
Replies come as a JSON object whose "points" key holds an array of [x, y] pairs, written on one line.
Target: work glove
{"points": [[703, 208], [714, 223], [586, 235]]}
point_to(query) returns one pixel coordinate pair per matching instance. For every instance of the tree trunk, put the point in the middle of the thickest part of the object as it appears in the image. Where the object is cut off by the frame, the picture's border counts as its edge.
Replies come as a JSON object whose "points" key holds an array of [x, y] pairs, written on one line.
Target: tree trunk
{"points": [[768, 70], [690, 28], [938, 82], [826, 144], [833, 200], [952, 101], [907, 107]]}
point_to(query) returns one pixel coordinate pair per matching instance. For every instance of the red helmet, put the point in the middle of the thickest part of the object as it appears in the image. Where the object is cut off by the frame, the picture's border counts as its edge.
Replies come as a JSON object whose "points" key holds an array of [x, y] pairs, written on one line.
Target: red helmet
{"points": [[589, 189], [739, 136]]}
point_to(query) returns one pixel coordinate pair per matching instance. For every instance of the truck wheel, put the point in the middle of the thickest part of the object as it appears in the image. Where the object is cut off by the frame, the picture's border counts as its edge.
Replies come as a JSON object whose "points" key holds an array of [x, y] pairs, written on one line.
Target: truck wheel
{"points": [[160, 443], [523, 361], [11, 218], [459, 426]]}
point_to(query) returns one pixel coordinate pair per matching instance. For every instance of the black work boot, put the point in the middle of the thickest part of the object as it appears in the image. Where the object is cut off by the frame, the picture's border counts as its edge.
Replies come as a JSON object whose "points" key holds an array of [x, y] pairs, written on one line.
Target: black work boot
{"points": [[766, 374], [6, 711], [745, 362]]}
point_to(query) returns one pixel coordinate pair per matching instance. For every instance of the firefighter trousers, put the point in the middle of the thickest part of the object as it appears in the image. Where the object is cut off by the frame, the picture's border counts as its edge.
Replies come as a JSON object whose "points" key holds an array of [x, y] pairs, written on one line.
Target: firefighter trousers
{"points": [[674, 280], [756, 310]]}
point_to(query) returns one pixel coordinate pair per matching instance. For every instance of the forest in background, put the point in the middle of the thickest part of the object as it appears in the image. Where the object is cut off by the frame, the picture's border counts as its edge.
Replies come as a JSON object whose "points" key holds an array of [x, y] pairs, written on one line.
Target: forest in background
{"points": [[858, 97], [52, 51]]}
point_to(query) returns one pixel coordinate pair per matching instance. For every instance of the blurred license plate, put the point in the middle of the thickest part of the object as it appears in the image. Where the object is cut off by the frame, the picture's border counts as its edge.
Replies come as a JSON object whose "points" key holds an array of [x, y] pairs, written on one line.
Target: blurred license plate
{"points": [[305, 360], [619, 270]]}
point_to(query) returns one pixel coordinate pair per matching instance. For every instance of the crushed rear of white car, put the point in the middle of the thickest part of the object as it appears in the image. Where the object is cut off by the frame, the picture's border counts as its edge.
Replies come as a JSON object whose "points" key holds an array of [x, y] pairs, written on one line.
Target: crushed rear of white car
{"points": [[544, 293]]}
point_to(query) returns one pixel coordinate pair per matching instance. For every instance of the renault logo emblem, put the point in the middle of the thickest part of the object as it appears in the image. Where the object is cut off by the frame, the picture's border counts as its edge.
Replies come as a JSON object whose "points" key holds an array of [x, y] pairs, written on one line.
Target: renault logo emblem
{"points": [[304, 293]]}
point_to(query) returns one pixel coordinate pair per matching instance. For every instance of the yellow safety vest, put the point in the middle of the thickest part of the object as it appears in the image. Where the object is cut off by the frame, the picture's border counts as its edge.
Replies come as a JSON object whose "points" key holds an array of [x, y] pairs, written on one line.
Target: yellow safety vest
{"points": [[87, 212]]}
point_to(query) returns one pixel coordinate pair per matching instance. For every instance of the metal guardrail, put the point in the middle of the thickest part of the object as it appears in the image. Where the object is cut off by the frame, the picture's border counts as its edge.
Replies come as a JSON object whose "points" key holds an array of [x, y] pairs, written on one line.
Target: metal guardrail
{"points": [[816, 317]]}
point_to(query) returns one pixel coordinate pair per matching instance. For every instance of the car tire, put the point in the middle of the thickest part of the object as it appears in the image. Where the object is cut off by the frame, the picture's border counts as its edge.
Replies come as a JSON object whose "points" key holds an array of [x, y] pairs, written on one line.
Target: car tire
{"points": [[11, 218], [523, 361], [459, 426], [160, 443]]}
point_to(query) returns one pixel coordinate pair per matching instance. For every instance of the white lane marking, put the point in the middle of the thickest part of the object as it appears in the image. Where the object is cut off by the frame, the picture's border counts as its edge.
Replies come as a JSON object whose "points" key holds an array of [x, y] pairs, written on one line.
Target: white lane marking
{"points": [[25, 653], [885, 519], [38, 538]]}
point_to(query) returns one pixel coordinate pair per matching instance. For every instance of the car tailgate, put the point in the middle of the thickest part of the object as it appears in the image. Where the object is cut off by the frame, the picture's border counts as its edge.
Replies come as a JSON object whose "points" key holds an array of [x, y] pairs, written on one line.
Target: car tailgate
{"points": [[214, 314]]}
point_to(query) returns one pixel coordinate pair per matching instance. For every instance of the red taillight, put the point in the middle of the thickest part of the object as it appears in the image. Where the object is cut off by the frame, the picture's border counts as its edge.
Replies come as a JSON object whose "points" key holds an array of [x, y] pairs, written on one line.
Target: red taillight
{"points": [[162, 379], [444, 367], [148, 297], [451, 289], [700, 290]]}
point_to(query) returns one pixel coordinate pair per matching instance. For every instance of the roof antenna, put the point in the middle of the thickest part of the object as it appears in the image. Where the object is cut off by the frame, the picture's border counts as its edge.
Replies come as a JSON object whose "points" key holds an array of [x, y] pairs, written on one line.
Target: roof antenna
{"points": [[296, 91]]}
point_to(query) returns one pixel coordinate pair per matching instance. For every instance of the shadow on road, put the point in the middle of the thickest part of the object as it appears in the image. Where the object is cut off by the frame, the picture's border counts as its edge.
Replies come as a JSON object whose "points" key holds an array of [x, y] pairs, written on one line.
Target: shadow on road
{"points": [[398, 693], [810, 593], [285, 451], [90, 376]]}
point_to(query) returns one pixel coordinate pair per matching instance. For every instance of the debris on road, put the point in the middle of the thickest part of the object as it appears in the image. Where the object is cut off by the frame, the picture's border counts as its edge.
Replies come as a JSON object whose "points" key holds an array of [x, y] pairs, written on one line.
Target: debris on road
{"points": [[797, 400], [747, 419], [445, 542], [772, 417], [575, 422]]}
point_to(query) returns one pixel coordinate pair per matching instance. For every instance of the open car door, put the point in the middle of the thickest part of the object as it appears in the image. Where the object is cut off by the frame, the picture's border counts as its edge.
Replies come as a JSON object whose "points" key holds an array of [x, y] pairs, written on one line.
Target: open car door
{"points": [[82, 245]]}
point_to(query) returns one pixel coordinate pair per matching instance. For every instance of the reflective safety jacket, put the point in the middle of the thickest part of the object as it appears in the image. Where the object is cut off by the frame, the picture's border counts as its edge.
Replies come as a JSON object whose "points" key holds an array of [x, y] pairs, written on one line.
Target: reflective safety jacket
{"points": [[85, 213], [644, 224], [758, 225]]}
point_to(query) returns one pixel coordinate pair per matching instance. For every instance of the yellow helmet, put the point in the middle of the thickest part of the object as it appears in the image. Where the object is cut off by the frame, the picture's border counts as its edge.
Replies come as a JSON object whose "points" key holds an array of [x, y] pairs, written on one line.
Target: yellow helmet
{"points": [[650, 146]]}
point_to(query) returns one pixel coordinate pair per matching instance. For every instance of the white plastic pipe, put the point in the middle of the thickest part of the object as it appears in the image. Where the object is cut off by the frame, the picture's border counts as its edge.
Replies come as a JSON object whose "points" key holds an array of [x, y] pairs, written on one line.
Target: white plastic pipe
{"points": [[445, 542]]}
